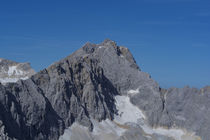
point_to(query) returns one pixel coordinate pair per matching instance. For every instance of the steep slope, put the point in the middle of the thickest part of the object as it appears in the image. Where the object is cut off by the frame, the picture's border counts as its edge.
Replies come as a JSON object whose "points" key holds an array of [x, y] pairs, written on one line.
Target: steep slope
{"points": [[41, 107], [11, 71], [100, 93]]}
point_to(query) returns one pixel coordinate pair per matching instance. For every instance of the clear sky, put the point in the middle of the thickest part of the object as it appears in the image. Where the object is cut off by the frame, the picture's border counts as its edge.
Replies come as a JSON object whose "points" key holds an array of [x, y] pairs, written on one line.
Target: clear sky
{"points": [[170, 39]]}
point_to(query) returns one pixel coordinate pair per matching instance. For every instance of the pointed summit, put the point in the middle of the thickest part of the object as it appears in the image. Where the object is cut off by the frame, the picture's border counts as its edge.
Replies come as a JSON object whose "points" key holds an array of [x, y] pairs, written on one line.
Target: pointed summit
{"points": [[89, 47], [109, 42]]}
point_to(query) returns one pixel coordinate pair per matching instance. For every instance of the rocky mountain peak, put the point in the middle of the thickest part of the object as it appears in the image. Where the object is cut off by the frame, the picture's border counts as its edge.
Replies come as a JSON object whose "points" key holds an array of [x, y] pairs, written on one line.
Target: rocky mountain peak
{"points": [[90, 47], [109, 47], [109, 42], [99, 92]]}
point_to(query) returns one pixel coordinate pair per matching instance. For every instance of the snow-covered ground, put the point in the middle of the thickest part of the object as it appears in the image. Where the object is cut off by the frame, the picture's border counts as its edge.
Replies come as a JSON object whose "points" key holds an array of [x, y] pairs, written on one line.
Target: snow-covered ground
{"points": [[107, 127], [133, 92], [100, 47], [127, 112], [11, 80], [131, 113], [12, 74], [13, 70], [76, 132]]}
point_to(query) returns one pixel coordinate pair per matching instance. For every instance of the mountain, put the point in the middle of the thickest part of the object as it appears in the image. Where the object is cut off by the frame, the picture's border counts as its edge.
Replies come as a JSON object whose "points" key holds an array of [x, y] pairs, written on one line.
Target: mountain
{"points": [[99, 93], [11, 71]]}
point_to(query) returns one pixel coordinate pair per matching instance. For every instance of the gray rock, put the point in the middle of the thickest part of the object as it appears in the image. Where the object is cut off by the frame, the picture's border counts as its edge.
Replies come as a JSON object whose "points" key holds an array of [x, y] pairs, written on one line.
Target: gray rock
{"points": [[51, 100], [188, 108], [82, 87]]}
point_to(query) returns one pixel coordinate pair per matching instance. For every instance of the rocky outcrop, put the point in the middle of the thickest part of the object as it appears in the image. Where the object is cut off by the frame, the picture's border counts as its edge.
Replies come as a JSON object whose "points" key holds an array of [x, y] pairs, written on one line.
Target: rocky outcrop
{"points": [[11, 71], [82, 89]]}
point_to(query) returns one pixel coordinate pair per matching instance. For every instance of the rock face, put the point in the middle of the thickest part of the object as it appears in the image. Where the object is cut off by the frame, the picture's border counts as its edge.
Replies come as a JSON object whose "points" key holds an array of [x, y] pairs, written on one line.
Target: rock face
{"points": [[188, 108], [11, 71], [99, 92]]}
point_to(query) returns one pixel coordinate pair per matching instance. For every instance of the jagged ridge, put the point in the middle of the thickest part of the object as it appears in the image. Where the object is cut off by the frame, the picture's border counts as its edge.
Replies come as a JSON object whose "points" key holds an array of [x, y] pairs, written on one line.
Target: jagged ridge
{"points": [[83, 87]]}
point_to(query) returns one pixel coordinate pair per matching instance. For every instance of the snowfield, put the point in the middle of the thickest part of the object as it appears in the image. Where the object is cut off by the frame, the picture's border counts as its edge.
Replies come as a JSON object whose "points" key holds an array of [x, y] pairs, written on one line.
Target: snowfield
{"points": [[127, 112], [11, 80]]}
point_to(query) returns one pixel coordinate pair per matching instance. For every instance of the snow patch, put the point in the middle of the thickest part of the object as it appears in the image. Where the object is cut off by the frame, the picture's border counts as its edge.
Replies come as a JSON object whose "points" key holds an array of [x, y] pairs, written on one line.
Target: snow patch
{"points": [[130, 113], [76, 132], [133, 92], [100, 47], [8, 80], [127, 112], [14, 71], [11, 80], [174, 133], [24, 78], [106, 127]]}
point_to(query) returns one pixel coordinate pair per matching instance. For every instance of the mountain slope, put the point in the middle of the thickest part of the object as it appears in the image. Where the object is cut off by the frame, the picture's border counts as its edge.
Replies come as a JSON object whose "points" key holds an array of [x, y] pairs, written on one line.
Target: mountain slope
{"points": [[99, 92]]}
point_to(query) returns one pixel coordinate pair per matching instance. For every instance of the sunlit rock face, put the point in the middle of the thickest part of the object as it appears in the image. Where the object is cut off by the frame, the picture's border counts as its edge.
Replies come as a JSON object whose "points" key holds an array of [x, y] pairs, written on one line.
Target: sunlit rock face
{"points": [[11, 71], [99, 93]]}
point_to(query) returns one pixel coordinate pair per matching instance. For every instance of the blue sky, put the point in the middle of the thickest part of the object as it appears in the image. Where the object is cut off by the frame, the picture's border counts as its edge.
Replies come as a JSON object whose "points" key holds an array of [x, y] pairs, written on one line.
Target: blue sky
{"points": [[170, 39]]}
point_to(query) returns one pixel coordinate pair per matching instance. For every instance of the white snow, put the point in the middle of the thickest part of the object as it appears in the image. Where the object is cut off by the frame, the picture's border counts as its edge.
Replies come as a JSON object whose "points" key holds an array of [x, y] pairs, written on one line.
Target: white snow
{"points": [[174, 133], [100, 47], [24, 78], [12, 75], [133, 92], [131, 113], [14, 71], [76, 132], [11, 80], [127, 111], [67, 134], [106, 126], [8, 80]]}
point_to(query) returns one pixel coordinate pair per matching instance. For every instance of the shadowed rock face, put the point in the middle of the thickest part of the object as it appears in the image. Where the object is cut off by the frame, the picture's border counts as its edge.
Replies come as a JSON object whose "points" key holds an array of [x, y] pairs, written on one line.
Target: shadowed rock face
{"points": [[82, 87]]}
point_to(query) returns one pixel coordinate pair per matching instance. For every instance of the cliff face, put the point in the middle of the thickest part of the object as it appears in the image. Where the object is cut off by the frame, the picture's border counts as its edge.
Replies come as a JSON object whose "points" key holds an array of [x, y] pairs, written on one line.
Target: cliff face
{"points": [[97, 89], [68, 91]]}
